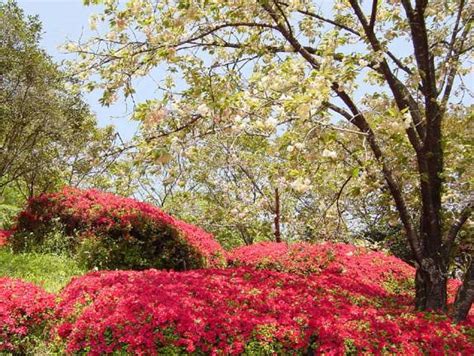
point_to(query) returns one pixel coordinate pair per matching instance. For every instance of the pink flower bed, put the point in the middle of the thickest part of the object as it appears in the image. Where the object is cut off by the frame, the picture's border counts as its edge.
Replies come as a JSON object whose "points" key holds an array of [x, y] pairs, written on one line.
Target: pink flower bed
{"points": [[24, 310], [91, 214], [220, 312], [341, 300]]}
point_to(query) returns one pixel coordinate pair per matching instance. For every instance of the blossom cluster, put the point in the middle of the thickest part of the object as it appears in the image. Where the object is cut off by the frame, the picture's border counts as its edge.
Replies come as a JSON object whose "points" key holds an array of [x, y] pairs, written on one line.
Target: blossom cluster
{"points": [[24, 309], [106, 220], [4, 236], [244, 310]]}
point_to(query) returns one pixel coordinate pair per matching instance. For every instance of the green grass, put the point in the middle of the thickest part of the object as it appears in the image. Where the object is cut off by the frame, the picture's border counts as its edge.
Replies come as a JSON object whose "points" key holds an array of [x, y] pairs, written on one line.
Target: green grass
{"points": [[49, 271]]}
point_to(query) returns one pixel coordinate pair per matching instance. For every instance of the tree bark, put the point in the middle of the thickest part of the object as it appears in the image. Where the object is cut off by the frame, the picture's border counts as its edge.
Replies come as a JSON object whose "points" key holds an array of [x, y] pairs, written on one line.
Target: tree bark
{"points": [[465, 295], [431, 286], [431, 274]]}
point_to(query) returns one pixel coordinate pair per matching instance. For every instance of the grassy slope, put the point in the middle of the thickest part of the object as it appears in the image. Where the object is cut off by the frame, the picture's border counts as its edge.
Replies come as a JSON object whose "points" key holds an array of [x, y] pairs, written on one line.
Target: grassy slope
{"points": [[50, 271]]}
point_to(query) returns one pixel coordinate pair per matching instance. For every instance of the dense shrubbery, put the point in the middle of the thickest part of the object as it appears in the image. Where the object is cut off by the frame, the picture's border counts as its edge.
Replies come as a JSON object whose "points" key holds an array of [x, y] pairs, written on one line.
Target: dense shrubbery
{"points": [[24, 311], [354, 301], [343, 263], [277, 299], [306, 258], [108, 231], [241, 309], [346, 263]]}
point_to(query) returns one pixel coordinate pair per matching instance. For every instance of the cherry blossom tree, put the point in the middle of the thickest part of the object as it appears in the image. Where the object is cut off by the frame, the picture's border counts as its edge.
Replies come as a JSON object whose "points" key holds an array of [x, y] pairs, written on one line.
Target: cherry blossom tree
{"points": [[305, 62]]}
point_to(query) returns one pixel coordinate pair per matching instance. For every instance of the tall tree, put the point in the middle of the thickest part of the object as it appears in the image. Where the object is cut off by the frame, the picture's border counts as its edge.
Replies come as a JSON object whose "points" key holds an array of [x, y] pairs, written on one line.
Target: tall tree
{"points": [[311, 59], [48, 136]]}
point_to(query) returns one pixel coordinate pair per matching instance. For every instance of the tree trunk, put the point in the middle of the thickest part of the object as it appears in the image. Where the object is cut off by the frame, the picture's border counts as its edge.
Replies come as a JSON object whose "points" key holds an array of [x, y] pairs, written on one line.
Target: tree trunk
{"points": [[276, 220], [431, 274], [431, 286], [465, 295]]}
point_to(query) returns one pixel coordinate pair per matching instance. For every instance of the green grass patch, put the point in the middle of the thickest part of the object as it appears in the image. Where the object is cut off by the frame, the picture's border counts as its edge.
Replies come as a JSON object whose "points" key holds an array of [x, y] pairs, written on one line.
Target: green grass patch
{"points": [[52, 272]]}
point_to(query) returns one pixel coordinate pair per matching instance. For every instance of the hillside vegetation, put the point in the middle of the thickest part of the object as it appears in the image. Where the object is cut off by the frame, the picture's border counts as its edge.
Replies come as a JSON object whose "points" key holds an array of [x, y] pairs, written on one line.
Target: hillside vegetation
{"points": [[272, 298]]}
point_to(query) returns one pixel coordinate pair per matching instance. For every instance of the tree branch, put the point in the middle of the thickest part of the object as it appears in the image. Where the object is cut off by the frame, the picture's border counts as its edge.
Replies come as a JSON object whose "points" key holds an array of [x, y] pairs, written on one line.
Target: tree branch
{"points": [[361, 123], [401, 94], [350, 30], [453, 70], [373, 15], [425, 61], [456, 227], [287, 34]]}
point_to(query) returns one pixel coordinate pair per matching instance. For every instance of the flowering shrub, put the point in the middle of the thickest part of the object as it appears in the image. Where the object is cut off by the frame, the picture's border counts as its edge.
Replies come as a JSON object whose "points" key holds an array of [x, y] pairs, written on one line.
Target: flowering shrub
{"points": [[4, 236], [340, 263], [24, 310], [305, 258], [109, 231], [237, 310], [341, 300], [330, 259]]}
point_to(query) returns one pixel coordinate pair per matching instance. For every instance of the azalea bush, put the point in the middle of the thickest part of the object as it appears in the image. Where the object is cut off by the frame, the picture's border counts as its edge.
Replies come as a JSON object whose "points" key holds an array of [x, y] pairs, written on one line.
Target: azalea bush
{"points": [[108, 231], [305, 258], [342, 263], [25, 310], [341, 300], [243, 310], [4, 236]]}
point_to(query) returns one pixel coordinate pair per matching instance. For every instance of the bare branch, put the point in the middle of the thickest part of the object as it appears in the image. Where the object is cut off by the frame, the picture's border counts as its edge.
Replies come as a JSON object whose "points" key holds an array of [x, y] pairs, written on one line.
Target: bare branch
{"points": [[457, 225], [454, 57], [373, 15]]}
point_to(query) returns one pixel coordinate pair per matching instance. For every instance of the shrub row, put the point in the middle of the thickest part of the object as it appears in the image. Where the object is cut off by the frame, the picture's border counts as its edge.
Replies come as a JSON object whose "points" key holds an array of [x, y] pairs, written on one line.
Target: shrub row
{"points": [[108, 231], [354, 302], [243, 310]]}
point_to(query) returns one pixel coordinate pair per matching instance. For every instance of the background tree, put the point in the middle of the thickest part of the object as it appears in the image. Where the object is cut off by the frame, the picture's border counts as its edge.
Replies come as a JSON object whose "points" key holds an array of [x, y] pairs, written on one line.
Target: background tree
{"points": [[48, 136], [247, 180], [311, 59]]}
